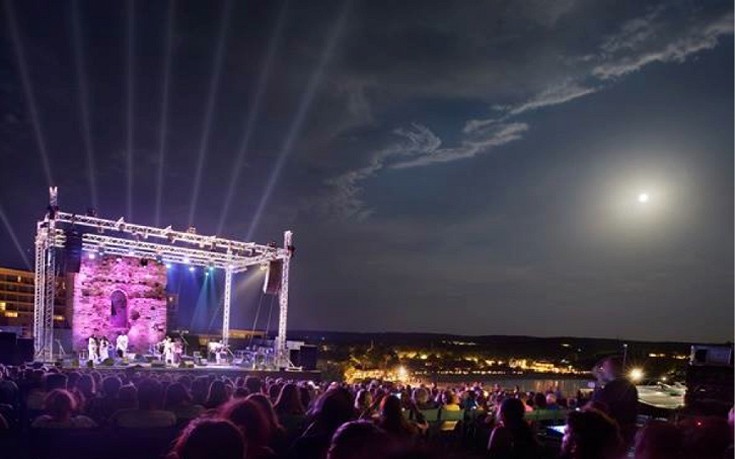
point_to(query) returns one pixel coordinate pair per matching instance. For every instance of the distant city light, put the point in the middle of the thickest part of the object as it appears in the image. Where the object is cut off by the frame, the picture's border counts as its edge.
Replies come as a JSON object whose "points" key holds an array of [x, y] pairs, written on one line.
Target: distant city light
{"points": [[636, 374], [643, 198]]}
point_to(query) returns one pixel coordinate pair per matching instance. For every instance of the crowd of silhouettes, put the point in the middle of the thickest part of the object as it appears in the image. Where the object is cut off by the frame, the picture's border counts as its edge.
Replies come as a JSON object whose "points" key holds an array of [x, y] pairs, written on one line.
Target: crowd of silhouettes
{"points": [[210, 416]]}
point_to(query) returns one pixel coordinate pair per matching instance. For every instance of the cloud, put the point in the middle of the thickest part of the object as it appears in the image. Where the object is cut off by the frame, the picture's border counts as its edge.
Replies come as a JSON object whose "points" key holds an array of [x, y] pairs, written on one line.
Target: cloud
{"points": [[566, 66], [554, 95], [650, 39]]}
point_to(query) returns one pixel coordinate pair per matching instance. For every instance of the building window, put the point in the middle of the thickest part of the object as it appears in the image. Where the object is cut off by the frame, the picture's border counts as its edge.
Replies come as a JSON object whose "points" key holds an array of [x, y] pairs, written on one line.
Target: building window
{"points": [[11, 314], [58, 318], [20, 279], [2, 305]]}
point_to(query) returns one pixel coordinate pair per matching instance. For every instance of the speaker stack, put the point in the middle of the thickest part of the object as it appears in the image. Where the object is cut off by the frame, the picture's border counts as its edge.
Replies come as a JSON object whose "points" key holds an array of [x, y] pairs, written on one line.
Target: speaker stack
{"points": [[272, 284], [73, 251]]}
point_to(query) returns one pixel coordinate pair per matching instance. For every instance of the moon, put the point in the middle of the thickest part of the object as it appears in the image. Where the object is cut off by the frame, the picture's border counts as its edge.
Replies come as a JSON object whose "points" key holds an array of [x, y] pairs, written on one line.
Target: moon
{"points": [[643, 198]]}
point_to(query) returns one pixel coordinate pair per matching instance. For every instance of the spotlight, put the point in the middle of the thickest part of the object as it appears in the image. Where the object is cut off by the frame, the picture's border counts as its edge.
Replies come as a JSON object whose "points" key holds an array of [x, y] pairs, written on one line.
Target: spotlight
{"points": [[207, 273], [187, 260], [191, 269], [159, 258], [191, 230], [131, 252], [101, 250], [91, 255], [168, 265], [91, 212]]}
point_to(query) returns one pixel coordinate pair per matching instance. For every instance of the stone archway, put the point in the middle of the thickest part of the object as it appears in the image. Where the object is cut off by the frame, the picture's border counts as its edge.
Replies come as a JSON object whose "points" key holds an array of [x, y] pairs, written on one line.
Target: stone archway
{"points": [[118, 309]]}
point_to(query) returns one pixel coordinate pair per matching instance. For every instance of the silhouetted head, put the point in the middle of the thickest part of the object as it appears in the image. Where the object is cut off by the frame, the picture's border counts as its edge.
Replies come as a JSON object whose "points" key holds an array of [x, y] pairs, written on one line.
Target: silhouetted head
{"points": [[209, 439], [358, 440], [511, 412], [591, 434], [150, 394], [59, 404]]}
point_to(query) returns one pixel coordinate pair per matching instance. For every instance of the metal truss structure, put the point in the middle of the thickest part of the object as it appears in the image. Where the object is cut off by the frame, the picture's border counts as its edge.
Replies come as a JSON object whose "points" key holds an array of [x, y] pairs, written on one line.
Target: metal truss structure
{"points": [[164, 245]]}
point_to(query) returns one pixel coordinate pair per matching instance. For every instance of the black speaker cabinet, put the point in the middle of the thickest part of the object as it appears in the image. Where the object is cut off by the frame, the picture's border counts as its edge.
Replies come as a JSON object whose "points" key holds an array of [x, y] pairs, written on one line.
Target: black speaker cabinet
{"points": [[272, 284]]}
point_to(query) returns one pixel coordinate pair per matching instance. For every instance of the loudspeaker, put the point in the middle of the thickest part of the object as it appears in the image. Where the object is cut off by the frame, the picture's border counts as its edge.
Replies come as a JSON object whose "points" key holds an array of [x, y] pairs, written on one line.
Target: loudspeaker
{"points": [[73, 251], [307, 357], [272, 284], [8, 348], [24, 350]]}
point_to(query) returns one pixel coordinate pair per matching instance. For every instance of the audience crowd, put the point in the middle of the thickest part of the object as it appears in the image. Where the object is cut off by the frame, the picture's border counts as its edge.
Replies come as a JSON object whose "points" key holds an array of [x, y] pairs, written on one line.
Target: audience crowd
{"points": [[210, 416]]}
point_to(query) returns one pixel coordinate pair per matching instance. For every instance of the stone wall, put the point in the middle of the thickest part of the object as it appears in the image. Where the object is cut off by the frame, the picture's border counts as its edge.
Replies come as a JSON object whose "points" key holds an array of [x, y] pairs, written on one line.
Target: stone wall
{"points": [[114, 295]]}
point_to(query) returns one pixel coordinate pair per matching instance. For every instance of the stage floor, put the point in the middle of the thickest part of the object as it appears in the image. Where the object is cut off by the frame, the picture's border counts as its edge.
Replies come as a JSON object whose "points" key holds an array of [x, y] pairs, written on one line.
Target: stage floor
{"points": [[225, 370]]}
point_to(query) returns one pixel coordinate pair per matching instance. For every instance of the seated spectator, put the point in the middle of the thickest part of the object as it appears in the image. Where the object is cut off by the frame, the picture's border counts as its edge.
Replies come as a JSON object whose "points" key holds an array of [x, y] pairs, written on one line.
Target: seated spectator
{"points": [[658, 440], [422, 399], [512, 437], [217, 395], [288, 402], [276, 432], [148, 414], [249, 417], [551, 402], [209, 439], [358, 440], [591, 434], [393, 422], [240, 392], [200, 390], [128, 397], [450, 401], [59, 408], [539, 401], [331, 410], [101, 408], [253, 384], [364, 405], [178, 401]]}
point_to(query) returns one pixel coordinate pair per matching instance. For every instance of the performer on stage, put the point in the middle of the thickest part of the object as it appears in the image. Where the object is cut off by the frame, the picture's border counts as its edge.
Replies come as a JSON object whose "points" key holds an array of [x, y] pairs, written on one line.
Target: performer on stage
{"points": [[104, 349], [168, 351], [92, 349], [121, 345]]}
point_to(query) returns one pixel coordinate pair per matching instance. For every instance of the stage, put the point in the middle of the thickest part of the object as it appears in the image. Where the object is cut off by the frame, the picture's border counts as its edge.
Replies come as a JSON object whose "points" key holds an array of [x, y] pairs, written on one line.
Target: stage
{"points": [[231, 371]]}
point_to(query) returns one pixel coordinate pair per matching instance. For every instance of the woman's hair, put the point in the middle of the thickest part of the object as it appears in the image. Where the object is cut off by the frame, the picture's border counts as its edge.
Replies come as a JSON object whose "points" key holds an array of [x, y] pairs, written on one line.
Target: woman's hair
{"points": [[358, 440], [511, 412], [176, 394], [249, 417], [333, 408], [266, 407], [289, 400], [363, 400], [207, 438], [59, 404], [391, 416], [217, 394]]}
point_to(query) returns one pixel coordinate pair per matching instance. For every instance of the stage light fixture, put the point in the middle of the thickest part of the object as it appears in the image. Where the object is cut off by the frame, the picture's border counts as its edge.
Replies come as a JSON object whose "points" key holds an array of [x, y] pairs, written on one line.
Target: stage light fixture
{"points": [[91, 255], [191, 269], [187, 260], [168, 265]]}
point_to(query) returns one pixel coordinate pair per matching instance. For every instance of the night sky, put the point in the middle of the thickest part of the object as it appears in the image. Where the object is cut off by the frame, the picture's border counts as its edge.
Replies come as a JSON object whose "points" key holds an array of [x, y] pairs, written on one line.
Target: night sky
{"points": [[459, 167]]}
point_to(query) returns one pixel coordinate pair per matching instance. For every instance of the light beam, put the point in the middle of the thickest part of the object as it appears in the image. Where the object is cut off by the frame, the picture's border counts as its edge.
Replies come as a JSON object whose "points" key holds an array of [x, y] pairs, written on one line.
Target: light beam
{"points": [[130, 102], [14, 238], [28, 89], [212, 96], [164, 105], [83, 95], [252, 116], [298, 120]]}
